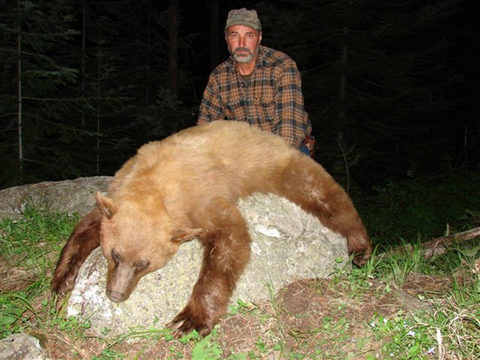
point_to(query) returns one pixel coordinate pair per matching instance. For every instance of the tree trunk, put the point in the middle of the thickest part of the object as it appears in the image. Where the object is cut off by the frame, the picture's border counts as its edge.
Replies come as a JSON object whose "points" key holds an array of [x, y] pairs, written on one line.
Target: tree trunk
{"points": [[147, 73], [82, 70], [341, 164], [173, 27], [20, 108], [214, 34], [99, 69], [342, 90]]}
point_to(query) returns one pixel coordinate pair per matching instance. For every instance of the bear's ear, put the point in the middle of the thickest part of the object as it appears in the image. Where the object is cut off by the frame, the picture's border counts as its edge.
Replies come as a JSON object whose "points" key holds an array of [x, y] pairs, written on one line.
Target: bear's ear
{"points": [[184, 235], [106, 205]]}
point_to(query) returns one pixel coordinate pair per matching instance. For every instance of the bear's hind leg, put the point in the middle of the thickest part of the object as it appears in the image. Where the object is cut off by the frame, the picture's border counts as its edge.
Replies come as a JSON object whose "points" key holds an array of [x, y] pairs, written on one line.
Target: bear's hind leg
{"points": [[226, 252], [307, 184], [84, 239]]}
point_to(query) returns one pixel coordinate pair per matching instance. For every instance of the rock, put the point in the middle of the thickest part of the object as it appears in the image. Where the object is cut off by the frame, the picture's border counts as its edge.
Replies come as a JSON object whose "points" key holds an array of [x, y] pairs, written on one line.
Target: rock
{"points": [[65, 196], [21, 346], [288, 244]]}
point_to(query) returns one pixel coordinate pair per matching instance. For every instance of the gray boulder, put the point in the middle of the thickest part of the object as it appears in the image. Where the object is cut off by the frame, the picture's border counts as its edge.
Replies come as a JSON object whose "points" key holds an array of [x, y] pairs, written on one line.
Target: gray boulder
{"points": [[66, 196], [21, 346], [288, 244]]}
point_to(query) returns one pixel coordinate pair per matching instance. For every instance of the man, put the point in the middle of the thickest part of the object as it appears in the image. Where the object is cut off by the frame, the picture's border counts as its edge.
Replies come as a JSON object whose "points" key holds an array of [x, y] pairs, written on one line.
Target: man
{"points": [[257, 84]]}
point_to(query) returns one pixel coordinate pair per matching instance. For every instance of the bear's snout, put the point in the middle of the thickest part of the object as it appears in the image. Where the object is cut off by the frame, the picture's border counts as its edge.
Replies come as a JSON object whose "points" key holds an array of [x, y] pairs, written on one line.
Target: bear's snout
{"points": [[116, 296], [121, 280]]}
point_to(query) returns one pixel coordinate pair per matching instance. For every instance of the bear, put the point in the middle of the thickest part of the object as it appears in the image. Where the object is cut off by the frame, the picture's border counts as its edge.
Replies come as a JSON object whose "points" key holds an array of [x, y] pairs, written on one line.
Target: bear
{"points": [[187, 186]]}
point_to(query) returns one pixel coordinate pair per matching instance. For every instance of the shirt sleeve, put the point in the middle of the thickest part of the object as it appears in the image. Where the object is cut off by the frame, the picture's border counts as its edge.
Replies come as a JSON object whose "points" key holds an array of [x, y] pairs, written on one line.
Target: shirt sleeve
{"points": [[211, 108], [293, 123]]}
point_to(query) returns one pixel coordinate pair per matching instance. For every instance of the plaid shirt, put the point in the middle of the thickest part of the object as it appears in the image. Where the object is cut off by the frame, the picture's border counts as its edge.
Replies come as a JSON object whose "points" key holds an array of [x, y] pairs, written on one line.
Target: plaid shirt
{"points": [[271, 99]]}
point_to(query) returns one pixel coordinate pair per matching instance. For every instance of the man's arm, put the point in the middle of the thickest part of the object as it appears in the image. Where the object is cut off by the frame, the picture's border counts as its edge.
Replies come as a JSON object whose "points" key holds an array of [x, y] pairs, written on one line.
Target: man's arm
{"points": [[293, 124], [211, 107]]}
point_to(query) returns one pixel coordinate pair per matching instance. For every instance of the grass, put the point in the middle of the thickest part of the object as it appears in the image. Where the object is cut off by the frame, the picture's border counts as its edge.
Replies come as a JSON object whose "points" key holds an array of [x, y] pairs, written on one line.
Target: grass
{"points": [[450, 328], [399, 306], [28, 249]]}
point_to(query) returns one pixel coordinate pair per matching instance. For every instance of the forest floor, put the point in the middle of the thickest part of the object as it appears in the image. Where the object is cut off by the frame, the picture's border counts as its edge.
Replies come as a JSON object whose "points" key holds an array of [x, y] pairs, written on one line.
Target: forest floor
{"points": [[311, 319], [399, 306]]}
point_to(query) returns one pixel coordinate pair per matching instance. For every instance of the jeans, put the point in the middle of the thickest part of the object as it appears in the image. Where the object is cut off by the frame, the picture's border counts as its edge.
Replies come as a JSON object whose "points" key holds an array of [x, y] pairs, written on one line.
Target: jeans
{"points": [[304, 150]]}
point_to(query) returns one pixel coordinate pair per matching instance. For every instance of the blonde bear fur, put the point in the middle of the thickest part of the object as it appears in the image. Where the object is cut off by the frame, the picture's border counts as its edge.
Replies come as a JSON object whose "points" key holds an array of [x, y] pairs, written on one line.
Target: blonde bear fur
{"points": [[187, 186]]}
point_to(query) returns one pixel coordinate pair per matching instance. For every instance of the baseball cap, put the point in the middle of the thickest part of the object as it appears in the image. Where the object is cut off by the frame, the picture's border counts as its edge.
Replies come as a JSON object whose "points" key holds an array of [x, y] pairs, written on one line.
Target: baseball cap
{"points": [[244, 17]]}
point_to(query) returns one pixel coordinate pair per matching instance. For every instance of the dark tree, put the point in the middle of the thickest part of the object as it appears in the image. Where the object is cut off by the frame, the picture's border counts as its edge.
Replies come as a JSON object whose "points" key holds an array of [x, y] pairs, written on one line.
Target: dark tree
{"points": [[215, 33], [374, 79], [35, 76], [173, 28]]}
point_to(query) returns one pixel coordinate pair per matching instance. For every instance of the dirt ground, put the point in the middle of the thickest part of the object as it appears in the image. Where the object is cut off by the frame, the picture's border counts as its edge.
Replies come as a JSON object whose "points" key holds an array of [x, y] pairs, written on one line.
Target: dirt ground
{"points": [[315, 319], [309, 319]]}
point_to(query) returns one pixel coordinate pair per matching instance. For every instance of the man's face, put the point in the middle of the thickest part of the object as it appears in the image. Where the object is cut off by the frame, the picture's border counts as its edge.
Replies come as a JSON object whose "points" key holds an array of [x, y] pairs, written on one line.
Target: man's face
{"points": [[243, 42]]}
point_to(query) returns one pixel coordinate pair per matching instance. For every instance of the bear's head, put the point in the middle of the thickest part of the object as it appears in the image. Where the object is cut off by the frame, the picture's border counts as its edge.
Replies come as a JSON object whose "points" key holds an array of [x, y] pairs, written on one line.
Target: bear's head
{"points": [[136, 242]]}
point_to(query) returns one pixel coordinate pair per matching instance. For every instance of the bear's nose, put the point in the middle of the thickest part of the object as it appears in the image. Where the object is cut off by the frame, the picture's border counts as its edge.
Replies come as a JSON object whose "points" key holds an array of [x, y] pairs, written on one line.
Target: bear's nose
{"points": [[116, 296]]}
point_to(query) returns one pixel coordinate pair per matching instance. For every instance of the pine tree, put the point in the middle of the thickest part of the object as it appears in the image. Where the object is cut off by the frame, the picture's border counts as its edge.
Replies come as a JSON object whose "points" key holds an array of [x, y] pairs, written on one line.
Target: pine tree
{"points": [[373, 76], [34, 71], [125, 79]]}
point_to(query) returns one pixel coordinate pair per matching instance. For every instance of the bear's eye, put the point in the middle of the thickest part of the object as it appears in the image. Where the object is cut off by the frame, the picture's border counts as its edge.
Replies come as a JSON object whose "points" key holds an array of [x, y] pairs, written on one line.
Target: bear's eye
{"points": [[141, 265], [116, 257]]}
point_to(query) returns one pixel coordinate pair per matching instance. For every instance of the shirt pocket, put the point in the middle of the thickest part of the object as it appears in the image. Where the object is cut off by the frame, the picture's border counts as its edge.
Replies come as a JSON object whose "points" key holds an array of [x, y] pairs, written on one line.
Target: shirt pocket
{"points": [[265, 105]]}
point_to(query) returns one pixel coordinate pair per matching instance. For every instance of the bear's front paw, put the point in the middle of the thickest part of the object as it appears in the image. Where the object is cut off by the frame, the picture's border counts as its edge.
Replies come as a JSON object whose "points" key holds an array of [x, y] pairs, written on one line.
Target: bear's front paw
{"points": [[63, 282], [361, 258], [188, 320]]}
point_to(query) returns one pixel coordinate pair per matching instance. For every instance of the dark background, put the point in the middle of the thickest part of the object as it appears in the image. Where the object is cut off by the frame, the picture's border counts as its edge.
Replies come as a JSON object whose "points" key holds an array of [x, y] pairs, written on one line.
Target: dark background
{"points": [[388, 85]]}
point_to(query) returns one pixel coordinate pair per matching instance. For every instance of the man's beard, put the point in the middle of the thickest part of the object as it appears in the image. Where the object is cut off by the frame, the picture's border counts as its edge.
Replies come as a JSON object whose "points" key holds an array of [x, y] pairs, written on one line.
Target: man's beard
{"points": [[243, 58]]}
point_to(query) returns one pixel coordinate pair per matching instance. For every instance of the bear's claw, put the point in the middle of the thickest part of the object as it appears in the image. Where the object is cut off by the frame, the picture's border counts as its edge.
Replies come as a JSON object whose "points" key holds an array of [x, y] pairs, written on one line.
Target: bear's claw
{"points": [[63, 283], [184, 323]]}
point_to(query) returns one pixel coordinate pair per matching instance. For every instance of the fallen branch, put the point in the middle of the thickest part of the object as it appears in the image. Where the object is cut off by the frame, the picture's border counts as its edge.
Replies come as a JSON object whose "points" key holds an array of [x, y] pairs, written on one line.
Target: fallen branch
{"points": [[439, 245]]}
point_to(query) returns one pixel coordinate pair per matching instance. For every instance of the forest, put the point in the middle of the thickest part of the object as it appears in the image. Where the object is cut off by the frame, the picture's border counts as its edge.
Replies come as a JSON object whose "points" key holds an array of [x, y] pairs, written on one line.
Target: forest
{"points": [[387, 85]]}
